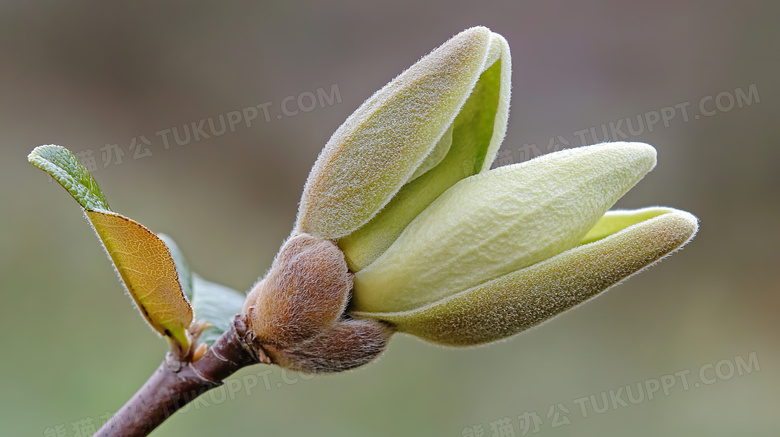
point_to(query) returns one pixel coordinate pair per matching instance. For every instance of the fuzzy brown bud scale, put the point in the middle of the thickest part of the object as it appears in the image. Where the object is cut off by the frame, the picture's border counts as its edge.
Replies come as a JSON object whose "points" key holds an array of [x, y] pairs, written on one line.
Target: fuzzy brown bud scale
{"points": [[296, 314]]}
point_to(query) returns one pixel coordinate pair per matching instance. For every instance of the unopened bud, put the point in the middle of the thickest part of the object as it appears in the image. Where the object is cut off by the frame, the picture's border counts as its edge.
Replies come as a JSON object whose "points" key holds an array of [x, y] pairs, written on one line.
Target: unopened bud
{"points": [[348, 344], [296, 312]]}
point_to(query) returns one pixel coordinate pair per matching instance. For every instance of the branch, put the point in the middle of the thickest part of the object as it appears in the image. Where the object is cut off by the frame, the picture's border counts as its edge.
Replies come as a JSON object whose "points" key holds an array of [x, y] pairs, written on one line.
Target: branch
{"points": [[175, 383]]}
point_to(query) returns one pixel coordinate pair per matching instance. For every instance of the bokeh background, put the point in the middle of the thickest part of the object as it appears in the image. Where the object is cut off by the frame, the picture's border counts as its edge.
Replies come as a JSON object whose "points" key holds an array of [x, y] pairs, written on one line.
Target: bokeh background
{"points": [[88, 74]]}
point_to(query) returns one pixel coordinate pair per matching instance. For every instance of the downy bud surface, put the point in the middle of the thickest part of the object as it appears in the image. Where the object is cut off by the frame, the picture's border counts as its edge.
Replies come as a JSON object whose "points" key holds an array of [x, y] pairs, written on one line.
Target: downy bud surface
{"points": [[296, 312], [403, 227]]}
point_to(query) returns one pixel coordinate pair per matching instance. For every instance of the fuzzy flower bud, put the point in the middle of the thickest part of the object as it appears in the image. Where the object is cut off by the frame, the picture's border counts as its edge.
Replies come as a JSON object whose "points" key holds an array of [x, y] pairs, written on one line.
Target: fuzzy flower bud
{"points": [[441, 120], [296, 312], [403, 227]]}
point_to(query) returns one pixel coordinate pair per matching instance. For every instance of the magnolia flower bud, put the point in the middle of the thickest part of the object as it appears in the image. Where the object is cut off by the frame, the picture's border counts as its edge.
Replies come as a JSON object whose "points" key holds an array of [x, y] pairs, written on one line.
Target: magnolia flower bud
{"points": [[441, 120], [500, 221], [403, 203], [622, 244], [296, 312]]}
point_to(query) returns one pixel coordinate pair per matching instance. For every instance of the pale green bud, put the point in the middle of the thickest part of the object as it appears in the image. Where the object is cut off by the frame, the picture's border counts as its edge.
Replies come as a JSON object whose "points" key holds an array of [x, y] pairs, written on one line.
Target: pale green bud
{"points": [[439, 121], [494, 223], [629, 242], [444, 249]]}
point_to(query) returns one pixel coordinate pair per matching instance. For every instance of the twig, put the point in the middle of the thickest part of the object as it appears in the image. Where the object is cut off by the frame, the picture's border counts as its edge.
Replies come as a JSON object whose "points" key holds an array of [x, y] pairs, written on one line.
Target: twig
{"points": [[174, 384]]}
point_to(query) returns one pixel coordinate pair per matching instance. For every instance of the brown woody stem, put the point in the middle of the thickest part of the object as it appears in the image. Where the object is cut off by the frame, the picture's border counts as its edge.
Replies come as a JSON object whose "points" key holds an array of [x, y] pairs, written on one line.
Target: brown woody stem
{"points": [[175, 383]]}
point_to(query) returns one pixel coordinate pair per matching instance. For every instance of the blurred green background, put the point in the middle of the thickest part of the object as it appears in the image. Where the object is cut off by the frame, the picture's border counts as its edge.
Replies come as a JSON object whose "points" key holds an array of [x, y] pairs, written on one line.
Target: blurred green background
{"points": [[89, 74]]}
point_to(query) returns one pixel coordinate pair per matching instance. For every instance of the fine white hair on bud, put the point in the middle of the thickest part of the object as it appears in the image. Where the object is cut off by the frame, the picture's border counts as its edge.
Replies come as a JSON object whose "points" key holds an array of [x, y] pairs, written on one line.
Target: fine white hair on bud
{"points": [[347, 344], [500, 221], [381, 145], [404, 227], [622, 244]]}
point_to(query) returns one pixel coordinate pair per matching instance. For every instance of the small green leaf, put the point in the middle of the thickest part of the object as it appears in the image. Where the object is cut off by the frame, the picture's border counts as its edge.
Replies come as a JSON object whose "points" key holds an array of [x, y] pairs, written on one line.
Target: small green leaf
{"points": [[65, 168], [519, 300], [216, 304], [142, 260]]}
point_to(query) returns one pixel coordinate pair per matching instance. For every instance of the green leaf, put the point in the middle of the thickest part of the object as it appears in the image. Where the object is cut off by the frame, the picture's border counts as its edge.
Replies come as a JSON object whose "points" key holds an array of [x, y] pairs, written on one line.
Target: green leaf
{"points": [[497, 222], [216, 304], [151, 267], [65, 168], [519, 300], [142, 260]]}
